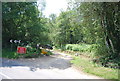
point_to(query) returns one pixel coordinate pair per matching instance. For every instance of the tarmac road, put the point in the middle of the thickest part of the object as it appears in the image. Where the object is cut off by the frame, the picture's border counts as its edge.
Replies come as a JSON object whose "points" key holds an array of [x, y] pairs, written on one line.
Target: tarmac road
{"points": [[47, 67]]}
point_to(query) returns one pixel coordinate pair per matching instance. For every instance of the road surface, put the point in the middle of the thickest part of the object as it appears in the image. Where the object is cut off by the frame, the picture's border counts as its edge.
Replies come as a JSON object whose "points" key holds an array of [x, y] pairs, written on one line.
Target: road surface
{"points": [[57, 66]]}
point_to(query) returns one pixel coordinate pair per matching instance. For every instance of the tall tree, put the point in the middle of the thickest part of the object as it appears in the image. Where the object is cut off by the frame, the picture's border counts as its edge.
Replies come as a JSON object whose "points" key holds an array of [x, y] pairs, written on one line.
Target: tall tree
{"points": [[22, 21]]}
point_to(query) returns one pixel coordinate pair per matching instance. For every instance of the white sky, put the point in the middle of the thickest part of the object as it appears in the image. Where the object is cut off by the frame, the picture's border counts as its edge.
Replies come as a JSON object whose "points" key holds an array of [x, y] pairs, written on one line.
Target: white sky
{"points": [[54, 6]]}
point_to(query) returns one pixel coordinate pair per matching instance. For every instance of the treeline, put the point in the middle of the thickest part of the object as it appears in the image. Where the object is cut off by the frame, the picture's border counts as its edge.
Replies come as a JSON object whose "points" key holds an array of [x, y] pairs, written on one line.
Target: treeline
{"points": [[95, 23], [90, 23], [23, 21]]}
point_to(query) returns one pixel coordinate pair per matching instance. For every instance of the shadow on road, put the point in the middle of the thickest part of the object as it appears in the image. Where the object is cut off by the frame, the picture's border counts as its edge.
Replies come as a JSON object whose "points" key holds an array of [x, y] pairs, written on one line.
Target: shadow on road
{"points": [[45, 62]]}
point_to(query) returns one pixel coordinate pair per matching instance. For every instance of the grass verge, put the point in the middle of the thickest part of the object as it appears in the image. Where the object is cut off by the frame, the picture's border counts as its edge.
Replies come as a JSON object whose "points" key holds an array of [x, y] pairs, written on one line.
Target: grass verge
{"points": [[89, 67], [84, 63]]}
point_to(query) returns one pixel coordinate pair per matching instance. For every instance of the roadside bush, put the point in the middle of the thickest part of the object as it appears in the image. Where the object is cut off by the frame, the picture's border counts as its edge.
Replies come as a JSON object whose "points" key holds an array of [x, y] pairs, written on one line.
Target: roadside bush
{"points": [[49, 53], [75, 48], [100, 50], [95, 49], [103, 57], [7, 53], [99, 53], [32, 52], [78, 47], [68, 46], [109, 60]]}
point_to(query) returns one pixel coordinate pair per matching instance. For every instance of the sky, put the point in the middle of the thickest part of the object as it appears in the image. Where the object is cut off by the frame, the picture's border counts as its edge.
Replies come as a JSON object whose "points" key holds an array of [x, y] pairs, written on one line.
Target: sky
{"points": [[54, 6]]}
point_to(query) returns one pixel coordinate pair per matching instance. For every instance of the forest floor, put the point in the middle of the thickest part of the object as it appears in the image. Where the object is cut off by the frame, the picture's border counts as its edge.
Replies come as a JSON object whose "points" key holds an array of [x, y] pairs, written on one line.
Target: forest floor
{"points": [[56, 66]]}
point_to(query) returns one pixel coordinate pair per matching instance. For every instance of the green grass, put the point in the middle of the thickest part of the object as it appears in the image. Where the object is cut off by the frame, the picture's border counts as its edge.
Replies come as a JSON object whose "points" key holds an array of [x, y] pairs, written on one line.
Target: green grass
{"points": [[87, 66]]}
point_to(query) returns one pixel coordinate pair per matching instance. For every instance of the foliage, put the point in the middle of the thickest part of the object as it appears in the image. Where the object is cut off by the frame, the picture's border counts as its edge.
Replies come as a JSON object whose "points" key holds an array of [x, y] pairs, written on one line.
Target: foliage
{"points": [[78, 47], [7, 53], [33, 50], [63, 30], [94, 51], [23, 21], [92, 27], [49, 53], [95, 23]]}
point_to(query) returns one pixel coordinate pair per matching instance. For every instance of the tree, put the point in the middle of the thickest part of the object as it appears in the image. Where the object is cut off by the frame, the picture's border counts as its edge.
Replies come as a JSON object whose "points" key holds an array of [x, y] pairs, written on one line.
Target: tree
{"points": [[22, 21], [101, 26]]}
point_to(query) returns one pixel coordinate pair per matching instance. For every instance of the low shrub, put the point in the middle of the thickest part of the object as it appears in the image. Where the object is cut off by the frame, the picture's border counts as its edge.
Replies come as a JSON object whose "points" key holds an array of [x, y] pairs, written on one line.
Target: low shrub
{"points": [[95, 49], [49, 53], [78, 47], [32, 52], [99, 53], [7, 53], [69, 46]]}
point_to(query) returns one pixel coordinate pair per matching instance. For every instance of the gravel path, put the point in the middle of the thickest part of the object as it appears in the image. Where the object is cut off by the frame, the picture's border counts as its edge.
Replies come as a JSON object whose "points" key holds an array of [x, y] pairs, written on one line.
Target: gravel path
{"points": [[56, 66]]}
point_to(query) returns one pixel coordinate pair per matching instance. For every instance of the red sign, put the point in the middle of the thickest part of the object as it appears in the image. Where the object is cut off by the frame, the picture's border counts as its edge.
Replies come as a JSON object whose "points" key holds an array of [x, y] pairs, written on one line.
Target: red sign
{"points": [[21, 50]]}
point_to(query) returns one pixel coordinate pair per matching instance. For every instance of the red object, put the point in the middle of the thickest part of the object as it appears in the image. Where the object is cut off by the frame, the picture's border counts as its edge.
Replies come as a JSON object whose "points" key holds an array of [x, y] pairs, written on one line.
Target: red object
{"points": [[21, 50]]}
